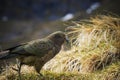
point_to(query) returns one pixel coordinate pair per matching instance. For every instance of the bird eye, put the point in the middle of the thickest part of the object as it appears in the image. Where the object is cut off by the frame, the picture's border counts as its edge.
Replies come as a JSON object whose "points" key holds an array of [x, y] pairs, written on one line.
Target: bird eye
{"points": [[57, 36]]}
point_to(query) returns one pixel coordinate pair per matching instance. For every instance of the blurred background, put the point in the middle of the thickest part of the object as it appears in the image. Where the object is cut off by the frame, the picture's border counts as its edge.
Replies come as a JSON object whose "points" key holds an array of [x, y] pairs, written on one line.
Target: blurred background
{"points": [[26, 20]]}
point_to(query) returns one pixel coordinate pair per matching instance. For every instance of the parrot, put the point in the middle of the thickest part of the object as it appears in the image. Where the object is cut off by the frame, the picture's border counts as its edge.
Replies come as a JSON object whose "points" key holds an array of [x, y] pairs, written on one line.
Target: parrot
{"points": [[36, 52]]}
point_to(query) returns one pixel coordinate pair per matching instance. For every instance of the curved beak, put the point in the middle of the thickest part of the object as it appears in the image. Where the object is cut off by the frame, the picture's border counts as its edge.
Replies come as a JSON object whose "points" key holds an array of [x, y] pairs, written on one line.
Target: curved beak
{"points": [[67, 39]]}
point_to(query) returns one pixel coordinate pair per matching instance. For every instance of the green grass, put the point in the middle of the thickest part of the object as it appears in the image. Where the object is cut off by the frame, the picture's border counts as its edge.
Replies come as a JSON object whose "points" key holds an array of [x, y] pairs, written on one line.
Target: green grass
{"points": [[111, 72]]}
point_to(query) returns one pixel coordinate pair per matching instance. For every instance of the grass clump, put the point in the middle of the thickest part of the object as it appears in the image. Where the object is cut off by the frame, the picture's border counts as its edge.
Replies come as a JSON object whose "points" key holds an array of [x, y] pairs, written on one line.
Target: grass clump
{"points": [[95, 44]]}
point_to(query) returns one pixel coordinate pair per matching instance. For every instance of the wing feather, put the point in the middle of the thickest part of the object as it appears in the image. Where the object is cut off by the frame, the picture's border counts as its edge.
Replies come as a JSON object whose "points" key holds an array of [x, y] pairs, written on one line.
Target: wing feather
{"points": [[39, 47]]}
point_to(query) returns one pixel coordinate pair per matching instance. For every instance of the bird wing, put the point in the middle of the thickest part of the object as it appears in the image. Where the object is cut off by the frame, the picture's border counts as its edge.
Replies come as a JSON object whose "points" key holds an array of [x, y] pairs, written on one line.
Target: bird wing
{"points": [[39, 47], [36, 48]]}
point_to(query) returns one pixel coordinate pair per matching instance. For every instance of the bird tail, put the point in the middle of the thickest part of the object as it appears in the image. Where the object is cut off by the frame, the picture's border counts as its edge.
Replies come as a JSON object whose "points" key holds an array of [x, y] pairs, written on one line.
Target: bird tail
{"points": [[6, 55]]}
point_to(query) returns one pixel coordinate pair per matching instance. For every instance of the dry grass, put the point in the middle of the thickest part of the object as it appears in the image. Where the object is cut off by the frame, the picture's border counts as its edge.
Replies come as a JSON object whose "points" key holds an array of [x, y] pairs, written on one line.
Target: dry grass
{"points": [[112, 72], [94, 53], [95, 44]]}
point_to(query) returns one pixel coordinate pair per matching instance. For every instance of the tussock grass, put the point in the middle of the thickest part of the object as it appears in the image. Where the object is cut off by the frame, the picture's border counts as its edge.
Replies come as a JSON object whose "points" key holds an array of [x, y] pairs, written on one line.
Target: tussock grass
{"points": [[94, 52], [95, 44]]}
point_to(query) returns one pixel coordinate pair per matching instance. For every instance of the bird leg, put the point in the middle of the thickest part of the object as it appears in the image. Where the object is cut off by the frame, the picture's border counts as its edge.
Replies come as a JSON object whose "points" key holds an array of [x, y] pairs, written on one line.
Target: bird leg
{"points": [[38, 67], [18, 68]]}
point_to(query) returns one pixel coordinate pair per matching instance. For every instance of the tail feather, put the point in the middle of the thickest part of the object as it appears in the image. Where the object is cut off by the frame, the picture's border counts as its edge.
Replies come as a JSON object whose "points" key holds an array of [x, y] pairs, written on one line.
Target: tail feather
{"points": [[6, 55]]}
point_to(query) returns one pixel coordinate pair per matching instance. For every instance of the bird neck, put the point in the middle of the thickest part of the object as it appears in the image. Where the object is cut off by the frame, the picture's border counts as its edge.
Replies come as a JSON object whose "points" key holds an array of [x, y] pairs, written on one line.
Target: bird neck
{"points": [[55, 41]]}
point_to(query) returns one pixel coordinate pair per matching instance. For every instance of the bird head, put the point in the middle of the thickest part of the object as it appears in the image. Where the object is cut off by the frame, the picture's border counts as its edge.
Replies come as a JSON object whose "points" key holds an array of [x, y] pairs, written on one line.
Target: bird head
{"points": [[58, 37]]}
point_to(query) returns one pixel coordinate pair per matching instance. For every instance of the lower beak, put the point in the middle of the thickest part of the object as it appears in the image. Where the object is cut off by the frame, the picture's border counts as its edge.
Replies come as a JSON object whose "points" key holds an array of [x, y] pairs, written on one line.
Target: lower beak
{"points": [[67, 39]]}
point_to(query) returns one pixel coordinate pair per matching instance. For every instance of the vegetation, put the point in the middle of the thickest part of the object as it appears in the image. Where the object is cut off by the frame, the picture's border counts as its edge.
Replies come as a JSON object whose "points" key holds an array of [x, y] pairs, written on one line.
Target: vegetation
{"points": [[94, 54]]}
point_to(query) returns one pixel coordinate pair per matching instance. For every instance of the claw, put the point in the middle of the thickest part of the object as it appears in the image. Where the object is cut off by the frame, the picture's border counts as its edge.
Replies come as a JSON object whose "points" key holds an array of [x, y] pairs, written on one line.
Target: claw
{"points": [[41, 76], [15, 69]]}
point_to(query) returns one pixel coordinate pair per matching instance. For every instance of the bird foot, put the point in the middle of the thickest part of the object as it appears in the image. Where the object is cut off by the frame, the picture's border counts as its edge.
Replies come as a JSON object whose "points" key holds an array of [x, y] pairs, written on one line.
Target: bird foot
{"points": [[40, 76], [15, 69]]}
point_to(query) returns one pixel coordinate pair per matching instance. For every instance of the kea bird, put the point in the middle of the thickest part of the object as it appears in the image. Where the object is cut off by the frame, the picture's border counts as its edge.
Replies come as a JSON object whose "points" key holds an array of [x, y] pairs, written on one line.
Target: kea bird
{"points": [[37, 52]]}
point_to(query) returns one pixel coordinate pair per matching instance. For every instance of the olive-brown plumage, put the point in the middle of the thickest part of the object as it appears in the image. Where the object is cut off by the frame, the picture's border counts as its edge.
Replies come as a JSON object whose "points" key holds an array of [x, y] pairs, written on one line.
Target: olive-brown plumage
{"points": [[37, 52]]}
